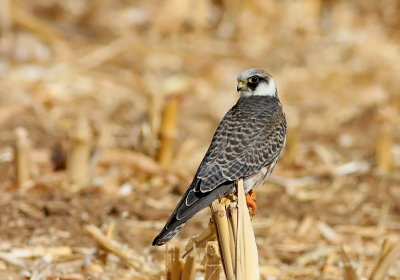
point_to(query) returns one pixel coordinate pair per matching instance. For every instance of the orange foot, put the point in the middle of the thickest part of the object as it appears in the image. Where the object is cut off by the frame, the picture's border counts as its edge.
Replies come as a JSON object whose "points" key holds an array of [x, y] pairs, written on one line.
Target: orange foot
{"points": [[251, 201]]}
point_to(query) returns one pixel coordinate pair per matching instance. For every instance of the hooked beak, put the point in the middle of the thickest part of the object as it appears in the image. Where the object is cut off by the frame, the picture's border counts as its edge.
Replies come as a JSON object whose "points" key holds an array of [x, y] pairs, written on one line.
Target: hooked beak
{"points": [[241, 86]]}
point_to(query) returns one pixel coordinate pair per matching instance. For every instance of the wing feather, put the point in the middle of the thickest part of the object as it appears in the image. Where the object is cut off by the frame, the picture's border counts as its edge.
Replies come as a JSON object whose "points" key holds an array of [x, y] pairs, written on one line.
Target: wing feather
{"points": [[252, 142]]}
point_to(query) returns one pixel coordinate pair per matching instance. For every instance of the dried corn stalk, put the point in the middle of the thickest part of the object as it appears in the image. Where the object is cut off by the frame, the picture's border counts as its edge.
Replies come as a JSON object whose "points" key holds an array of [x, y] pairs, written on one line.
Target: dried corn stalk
{"points": [[189, 269], [236, 236], [212, 263], [22, 159], [78, 156], [384, 149], [226, 243], [390, 252], [168, 132], [246, 247], [174, 264], [348, 270]]}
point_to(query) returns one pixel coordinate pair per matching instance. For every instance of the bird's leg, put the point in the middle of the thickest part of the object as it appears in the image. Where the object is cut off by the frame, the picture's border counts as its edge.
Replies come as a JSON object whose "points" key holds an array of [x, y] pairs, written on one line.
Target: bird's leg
{"points": [[251, 201]]}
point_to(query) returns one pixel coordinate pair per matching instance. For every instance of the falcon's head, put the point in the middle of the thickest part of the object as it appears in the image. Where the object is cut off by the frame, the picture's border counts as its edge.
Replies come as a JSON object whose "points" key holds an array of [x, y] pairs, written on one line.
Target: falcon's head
{"points": [[258, 82]]}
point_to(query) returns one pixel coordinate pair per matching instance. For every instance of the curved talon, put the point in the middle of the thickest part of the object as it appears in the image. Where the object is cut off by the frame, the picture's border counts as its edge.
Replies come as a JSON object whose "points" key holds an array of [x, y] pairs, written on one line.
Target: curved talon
{"points": [[251, 201]]}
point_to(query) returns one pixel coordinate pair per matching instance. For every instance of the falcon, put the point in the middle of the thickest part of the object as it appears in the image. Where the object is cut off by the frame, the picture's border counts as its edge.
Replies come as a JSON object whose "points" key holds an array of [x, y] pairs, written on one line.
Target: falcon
{"points": [[246, 145]]}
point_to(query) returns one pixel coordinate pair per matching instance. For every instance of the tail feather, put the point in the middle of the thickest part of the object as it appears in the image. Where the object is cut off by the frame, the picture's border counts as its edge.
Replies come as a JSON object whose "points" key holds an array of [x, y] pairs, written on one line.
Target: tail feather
{"points": [[183, 213]]}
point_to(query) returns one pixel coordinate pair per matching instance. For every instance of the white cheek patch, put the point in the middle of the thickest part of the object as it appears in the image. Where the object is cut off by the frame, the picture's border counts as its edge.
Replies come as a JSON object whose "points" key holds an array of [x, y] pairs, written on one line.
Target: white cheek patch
{"points": [[266, 89]]}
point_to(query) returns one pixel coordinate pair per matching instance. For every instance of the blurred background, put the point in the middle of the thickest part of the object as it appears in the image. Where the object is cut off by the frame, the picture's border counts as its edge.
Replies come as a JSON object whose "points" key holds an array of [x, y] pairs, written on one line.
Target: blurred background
{"points": [[107, 108]]}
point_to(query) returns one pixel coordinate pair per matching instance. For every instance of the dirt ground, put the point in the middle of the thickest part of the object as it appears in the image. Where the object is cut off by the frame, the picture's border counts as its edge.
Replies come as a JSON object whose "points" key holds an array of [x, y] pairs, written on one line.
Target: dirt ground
{"points": [[136, 90]]}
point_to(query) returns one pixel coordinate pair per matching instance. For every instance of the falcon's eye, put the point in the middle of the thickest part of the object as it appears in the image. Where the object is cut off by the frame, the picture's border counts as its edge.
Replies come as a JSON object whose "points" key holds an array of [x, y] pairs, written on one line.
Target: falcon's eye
{"points": [[253, 80]]}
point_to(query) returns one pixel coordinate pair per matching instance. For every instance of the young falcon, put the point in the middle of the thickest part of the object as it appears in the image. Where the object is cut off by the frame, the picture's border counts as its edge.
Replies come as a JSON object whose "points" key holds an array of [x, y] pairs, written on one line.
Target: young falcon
{"points": [[245, 146]]}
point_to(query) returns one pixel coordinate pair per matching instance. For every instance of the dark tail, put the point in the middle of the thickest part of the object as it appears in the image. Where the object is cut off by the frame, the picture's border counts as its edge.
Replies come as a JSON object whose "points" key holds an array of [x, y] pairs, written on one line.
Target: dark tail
{"points": [[192, 202]]}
